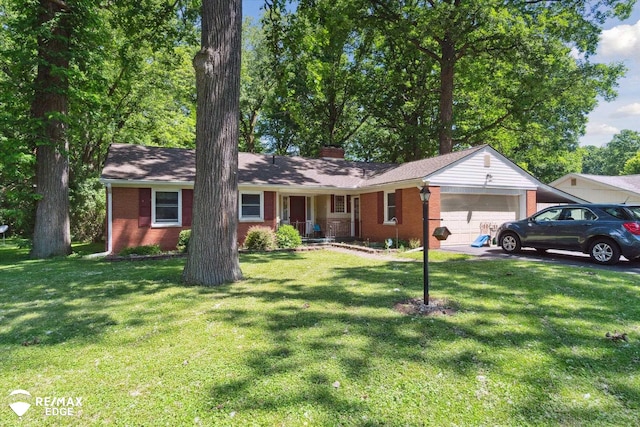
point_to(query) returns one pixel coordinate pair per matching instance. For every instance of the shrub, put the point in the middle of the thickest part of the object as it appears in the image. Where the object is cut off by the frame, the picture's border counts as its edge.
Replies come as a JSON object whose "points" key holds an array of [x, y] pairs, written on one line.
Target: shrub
{"points": [[414, 243], [288, 237], [141, 250], [87, 210], [183, 240], [260, 238]]}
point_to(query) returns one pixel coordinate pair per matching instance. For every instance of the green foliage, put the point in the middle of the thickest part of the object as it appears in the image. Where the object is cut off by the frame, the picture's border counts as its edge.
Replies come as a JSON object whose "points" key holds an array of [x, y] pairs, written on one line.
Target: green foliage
{"points": [[88, 208], [288, 236], [617, 157], [141, 250], [130, 79], [592, 160], [414, 243], [623, 147], [183, 240], [632, 166], [260, 238], [369, 77]]}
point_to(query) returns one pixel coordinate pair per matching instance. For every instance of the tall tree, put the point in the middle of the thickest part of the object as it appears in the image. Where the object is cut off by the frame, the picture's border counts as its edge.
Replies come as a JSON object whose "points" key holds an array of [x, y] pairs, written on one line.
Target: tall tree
{"points": [[127, 77], [622, 147], [52, 234], [257, 82], [472, 41], [318, 62], [213, 248]]}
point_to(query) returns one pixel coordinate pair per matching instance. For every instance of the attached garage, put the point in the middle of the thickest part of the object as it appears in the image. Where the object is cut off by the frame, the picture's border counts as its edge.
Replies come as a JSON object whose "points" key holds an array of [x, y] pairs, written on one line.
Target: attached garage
{"points": [[469, 215]]}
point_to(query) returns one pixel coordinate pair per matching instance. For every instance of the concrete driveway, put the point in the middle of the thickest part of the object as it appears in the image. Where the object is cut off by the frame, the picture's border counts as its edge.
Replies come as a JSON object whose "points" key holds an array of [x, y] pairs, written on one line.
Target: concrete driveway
{"points": [[576, 259]]}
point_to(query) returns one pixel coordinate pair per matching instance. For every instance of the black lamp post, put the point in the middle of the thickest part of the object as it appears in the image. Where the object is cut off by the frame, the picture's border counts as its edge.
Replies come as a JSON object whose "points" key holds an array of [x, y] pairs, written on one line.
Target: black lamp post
{"points": [[424, 196]]}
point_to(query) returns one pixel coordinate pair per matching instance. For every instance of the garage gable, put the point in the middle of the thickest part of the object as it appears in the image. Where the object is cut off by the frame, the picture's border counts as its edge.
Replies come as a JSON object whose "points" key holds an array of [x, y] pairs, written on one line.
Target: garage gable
{"points": [[485, 168]]}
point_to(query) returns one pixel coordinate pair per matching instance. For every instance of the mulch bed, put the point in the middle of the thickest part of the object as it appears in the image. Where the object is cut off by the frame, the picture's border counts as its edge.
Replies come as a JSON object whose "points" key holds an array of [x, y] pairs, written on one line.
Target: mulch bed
{"points": [[416, 307]]}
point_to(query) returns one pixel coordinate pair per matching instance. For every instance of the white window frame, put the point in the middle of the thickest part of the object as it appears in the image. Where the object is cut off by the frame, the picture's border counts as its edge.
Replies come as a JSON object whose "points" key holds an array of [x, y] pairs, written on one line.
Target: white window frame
{"points": [[154, 222], [387, 220], [335, 204], [251, 218]]}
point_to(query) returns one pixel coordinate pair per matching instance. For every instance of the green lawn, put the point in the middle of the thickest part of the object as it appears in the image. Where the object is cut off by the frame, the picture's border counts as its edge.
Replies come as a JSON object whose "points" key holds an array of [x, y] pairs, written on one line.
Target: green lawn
{"points": [[311, 338]]}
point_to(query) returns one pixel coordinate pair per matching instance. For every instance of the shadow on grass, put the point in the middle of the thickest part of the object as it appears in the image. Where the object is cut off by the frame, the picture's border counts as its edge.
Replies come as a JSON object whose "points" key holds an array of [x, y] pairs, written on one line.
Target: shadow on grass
{"points": [[324, 318], [49, 302], [506, 309]]}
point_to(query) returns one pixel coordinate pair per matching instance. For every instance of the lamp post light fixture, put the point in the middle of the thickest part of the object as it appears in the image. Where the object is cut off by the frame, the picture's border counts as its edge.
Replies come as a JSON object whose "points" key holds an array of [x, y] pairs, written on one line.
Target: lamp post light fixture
{"points": [[424, 196]]}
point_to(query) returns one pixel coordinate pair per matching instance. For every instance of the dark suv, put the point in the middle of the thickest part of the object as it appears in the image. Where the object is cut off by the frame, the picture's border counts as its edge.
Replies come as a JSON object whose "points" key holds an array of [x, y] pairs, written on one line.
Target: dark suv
{"points": [[603, 231]]}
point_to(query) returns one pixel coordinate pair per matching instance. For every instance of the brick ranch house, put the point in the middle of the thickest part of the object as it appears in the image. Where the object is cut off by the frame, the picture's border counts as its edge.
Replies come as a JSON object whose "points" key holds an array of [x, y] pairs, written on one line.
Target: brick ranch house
{"points": [[150, 195]]}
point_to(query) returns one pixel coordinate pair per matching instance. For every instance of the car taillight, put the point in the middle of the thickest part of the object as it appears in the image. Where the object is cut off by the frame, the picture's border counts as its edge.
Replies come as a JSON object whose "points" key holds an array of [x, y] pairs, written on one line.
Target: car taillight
{"points": [[632, 227]]}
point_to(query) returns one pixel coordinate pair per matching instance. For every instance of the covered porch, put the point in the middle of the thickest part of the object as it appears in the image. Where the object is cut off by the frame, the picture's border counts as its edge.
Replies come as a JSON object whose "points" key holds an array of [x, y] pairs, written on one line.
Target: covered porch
{"points": [[331, 216]]}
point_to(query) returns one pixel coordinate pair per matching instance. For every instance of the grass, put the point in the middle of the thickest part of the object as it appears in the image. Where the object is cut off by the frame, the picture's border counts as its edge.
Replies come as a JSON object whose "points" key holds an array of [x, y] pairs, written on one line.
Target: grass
{"points": [[311, 339]]}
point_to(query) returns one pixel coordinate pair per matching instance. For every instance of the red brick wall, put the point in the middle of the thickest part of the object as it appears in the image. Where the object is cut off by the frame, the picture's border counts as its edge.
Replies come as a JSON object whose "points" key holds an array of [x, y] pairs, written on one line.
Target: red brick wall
{"points": [[126, 232], [532, 206], [411, 226]]}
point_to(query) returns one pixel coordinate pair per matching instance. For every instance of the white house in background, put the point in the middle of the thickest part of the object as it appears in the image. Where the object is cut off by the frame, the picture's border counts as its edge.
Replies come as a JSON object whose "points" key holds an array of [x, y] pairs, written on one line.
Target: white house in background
{"points": [[600, 188]]}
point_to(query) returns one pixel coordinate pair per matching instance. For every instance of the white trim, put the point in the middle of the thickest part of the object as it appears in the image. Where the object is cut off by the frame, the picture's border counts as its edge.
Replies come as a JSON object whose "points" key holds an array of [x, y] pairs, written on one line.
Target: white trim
{"points": [[353, 213], [145, 183], [446, 189], [155, 224], [387, 220], [109, 218], [251, 218], [523, 206]]}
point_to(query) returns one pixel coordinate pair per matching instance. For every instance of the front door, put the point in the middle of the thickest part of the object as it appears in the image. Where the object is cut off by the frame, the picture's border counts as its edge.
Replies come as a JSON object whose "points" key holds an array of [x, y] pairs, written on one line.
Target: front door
{"points": [[298, 213]]}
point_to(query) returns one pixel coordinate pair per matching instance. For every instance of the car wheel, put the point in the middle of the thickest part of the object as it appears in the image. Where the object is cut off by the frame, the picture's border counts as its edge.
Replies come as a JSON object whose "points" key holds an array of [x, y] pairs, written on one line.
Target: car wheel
{"points": [[510, 243], [604, 251]]}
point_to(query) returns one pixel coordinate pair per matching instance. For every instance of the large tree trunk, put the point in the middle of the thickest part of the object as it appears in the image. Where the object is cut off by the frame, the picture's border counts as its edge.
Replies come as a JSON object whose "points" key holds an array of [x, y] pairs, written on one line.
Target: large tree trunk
{"points": [[51, 234], [213, 250]]}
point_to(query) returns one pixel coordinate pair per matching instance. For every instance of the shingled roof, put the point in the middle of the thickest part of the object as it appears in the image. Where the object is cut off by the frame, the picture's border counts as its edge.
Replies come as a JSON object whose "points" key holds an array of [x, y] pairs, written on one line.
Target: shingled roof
{"points": [[137, 163], [624, 182]]}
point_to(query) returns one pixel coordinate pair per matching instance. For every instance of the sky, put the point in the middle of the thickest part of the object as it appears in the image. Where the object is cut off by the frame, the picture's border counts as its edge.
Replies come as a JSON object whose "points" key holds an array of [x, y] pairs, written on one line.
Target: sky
{"points": [[619, 42]]}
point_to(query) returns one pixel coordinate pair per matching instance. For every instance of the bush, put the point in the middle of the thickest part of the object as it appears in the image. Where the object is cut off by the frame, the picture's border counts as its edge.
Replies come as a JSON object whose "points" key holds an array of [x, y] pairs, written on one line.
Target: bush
{"points": [[414, 243], [260, 239], [183, 240], [87, 210], [288, 237], [141, 250]]}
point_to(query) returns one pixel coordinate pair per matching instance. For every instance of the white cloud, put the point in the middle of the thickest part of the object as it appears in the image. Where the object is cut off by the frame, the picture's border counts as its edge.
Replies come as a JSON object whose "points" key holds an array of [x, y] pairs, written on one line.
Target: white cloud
{"points": [[601, 129], [621, 42], [630, 109]]}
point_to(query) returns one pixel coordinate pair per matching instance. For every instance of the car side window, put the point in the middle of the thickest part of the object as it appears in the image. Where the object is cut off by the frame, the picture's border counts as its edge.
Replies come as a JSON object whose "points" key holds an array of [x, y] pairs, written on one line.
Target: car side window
{"points": [[616, 212], [578, 214], [634, 211], [548, 215], [589, 216]]}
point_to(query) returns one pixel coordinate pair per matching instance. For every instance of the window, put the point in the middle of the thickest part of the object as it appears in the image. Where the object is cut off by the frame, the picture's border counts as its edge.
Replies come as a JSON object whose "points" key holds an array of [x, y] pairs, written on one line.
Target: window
{"points": [[251, 206], [578, 214], [391, 206], [166, 209], [549, 215], [339, 204]]}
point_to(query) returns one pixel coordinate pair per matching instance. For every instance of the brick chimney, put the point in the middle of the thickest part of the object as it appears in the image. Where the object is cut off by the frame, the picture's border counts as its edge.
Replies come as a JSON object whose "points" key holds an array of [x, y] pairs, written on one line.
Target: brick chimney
{"points": [[331, 153]]}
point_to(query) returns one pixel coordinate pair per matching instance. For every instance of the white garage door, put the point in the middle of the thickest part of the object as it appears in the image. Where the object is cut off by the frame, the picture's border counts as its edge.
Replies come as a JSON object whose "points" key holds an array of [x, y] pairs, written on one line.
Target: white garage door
{"points": [[469, 215]]}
